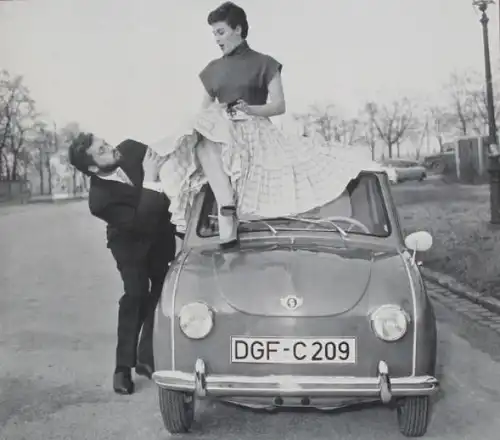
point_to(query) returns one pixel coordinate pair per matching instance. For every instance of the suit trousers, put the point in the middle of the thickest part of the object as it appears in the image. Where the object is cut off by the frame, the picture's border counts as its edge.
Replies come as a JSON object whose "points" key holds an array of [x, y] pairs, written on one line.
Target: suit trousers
{"points": [[143, 264]]}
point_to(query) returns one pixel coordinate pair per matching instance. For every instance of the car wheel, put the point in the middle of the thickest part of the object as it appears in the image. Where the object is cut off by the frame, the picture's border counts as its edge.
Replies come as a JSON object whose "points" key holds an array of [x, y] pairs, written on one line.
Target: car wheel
{"points": [[413, 416], [177, 410], [438, 167]]}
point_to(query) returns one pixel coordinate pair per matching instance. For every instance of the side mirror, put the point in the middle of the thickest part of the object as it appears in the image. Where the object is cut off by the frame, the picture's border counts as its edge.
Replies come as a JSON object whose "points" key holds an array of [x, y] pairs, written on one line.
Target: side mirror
{"points": [[391, 173], [420, 241]]}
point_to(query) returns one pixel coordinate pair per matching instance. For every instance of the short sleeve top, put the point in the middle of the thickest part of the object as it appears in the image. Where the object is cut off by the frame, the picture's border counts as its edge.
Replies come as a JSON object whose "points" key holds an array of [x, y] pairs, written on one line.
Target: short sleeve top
{"points": [[241, 74]]}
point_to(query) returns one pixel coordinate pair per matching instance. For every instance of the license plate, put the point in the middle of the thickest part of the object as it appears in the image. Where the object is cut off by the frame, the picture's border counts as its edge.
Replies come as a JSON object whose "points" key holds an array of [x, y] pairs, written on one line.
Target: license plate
{"points": [[269, 350]]}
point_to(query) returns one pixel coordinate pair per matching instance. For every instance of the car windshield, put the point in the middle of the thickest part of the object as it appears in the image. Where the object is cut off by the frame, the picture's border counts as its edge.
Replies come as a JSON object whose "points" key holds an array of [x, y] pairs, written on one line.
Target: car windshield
{"points": [[359, 210]]}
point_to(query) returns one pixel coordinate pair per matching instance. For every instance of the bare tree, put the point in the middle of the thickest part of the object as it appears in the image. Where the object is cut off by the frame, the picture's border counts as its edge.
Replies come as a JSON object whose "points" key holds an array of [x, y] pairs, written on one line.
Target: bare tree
{"points": [[367, 131], [348, 131], [68, 134], [46, 143], [17, 117], [477, 88], [323, 120], [328, 122], [441, 124], [391, 122], [7, 98], [302, 120], [466, 112], [419, 134], [461, 105]]}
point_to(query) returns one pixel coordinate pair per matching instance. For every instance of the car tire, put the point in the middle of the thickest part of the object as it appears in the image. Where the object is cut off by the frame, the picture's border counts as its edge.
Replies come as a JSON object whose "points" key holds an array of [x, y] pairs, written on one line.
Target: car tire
{"points": [[177, 410], [438, 167], [413, 415]]}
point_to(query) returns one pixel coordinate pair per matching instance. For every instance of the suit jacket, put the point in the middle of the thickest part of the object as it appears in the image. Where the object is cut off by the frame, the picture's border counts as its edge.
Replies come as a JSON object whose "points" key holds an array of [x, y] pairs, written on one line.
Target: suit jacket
{"points": [[130, 211]]}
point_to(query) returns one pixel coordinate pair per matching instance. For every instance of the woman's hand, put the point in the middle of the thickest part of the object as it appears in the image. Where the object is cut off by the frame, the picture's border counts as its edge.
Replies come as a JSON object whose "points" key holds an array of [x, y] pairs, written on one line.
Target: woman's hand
{"points": [[276, 107], [242, 106]]}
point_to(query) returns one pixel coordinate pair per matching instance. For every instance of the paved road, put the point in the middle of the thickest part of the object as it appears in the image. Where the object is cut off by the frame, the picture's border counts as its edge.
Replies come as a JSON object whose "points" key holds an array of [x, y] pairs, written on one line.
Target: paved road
{"points": [[58, 293]]}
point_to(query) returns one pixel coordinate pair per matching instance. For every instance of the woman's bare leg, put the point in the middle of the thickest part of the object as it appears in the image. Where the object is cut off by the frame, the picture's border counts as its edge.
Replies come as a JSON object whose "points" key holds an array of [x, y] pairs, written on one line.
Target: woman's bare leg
{"points": [[211, 162]]}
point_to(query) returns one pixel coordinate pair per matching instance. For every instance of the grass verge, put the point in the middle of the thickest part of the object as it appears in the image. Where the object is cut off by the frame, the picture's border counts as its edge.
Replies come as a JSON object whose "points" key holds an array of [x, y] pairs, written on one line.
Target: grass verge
{"points": [[466, 246]]}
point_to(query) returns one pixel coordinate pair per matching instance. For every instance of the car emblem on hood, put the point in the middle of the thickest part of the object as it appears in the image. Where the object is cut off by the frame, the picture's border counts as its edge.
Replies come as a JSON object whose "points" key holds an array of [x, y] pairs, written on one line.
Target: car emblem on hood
{"points": [[291, 302]]}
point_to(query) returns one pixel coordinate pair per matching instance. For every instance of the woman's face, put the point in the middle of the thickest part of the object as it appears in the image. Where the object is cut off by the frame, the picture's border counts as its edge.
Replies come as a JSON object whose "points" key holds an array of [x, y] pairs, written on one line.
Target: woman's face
{"points": [[226, 37]]}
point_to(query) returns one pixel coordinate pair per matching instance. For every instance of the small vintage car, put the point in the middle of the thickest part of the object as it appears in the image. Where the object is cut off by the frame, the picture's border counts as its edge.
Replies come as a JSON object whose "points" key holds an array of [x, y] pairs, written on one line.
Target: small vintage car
{"points": [[403, 170], [325, 309]]}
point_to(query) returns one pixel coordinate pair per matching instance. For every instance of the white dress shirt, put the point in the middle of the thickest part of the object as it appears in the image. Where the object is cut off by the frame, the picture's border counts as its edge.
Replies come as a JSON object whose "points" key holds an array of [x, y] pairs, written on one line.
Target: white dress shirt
{"points": [[120, 176]]}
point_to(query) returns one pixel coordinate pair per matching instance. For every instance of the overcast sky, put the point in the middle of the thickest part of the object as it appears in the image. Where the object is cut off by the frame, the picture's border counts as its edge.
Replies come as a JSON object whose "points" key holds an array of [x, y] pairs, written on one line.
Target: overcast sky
{"points": [[125, 68]]}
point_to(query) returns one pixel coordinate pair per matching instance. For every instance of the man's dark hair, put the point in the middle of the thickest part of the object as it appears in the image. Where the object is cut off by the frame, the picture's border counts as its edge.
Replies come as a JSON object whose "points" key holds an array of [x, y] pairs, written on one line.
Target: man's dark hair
{"points": [[232, 14], [78, 154]]}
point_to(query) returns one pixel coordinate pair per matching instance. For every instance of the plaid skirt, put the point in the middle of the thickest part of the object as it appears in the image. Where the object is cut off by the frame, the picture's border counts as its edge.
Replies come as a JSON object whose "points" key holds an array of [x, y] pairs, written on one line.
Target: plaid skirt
{"points": [[272, 174]]}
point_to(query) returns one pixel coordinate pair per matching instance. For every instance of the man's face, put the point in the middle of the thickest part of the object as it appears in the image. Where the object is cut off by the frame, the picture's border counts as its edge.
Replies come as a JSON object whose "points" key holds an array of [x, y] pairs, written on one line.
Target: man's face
{"points": [[105, 157]]}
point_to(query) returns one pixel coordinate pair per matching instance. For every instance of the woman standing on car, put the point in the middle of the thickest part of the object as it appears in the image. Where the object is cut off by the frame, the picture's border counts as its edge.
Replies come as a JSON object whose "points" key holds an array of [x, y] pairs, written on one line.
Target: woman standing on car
{"points": [[251, 166]]}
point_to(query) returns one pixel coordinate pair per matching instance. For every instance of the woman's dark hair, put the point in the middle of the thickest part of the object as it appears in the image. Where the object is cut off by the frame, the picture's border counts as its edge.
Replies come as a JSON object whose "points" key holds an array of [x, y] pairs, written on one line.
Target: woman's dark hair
{"points": [[232, 14], [78, 154]]}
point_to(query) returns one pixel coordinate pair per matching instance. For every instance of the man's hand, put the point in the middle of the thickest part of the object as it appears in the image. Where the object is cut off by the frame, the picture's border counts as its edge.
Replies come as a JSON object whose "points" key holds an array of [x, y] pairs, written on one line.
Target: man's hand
{"points": [[151, 165]]}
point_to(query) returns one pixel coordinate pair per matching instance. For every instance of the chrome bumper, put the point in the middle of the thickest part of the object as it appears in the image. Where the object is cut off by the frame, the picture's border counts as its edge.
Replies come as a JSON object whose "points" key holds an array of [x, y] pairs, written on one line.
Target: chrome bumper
{"points": [[382, 386]]}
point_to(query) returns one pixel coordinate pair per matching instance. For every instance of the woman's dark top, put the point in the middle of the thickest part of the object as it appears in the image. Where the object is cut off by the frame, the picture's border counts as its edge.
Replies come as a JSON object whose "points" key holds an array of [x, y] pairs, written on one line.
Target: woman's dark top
{"points": [[241, 74]]}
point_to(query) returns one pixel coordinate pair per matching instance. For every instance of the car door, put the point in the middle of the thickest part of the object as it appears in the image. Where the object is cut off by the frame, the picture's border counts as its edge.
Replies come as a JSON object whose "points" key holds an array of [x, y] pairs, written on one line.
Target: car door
{"points": [[413, 171], [401, 170]]}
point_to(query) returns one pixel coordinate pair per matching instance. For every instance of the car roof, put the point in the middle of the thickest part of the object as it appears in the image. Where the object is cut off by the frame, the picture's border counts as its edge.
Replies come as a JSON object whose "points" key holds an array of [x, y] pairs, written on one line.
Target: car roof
{"points": [[400, 161]]}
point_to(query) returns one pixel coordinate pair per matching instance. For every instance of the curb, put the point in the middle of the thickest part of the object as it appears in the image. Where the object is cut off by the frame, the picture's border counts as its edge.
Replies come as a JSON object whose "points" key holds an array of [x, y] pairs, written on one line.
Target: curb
{"points": [[461, 290], [40, 200], [55, 201]]}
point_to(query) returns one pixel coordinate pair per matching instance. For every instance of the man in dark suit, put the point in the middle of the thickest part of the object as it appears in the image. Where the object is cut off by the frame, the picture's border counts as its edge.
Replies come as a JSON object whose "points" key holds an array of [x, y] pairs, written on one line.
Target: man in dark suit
{"points": [[125, 193]]}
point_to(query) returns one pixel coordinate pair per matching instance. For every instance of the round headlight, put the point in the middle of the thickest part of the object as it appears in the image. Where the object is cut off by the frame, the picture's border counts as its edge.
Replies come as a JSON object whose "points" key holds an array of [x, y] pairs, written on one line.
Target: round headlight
{"points": [[196, 320], [389, 322]]}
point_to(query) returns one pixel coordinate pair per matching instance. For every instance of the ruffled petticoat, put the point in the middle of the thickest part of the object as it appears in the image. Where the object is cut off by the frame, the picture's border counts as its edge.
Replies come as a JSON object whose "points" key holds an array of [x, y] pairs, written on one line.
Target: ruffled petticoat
{"points": [[273, 174]]}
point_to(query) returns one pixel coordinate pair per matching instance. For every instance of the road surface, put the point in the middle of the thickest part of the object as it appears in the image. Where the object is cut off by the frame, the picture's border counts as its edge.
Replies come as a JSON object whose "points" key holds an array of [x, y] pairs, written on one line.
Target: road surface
{"points": [[58, 305]]}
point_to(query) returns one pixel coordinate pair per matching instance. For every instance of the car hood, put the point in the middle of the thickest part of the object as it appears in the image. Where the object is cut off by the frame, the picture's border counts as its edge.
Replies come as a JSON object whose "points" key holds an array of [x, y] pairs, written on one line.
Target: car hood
{"points": [[326, 281]]}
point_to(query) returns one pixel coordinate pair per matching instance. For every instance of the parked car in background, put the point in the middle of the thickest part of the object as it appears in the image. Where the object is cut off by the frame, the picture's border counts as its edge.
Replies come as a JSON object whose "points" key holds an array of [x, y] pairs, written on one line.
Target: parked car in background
{"points": [[322, 310], [401, 170], [438, 163]]}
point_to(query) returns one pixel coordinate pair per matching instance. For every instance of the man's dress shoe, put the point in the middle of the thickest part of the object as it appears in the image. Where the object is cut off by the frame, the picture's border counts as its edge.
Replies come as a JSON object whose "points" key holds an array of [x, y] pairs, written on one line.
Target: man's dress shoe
{"points": [[122, 383], [144, 370]]}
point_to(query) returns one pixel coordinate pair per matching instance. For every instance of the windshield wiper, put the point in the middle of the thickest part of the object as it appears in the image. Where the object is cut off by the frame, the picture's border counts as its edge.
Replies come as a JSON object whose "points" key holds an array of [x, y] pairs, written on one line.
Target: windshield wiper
{"points": [[246, 222], [319, 221], [264, 221], [343, 234]]}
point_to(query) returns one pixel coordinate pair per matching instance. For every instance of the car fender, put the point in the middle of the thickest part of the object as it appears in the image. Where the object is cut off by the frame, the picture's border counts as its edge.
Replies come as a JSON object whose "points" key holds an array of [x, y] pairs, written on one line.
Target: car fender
{"points": [[164, 322], [396, 280], [425, 344], [189, 279]]}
